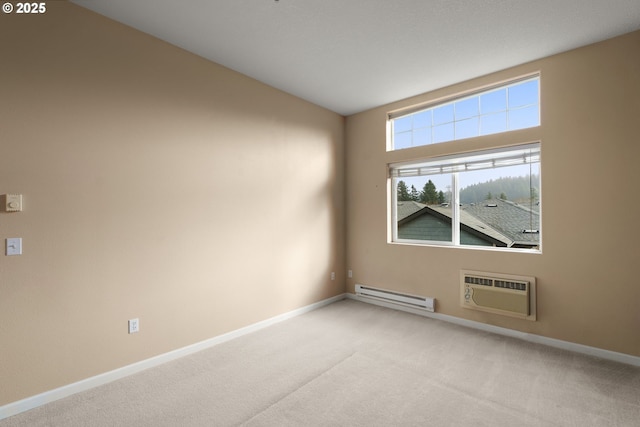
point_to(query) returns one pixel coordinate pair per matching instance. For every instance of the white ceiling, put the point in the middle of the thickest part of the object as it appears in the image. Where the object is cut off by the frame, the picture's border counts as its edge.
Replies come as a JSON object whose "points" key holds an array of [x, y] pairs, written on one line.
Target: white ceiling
{"points": [[352, 55]]}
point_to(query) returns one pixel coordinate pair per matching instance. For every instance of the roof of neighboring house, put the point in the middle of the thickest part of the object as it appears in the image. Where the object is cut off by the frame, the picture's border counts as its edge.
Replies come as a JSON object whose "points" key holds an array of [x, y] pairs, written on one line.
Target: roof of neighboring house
{"points": [[509, 218], [498, 220], [408, 208]]}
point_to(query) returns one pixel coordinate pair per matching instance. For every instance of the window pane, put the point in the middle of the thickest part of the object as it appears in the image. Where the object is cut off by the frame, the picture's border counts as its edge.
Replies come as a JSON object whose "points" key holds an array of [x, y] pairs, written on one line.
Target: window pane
{"points": [[422, 136], [502, 109], [467, 128], [422, 119], [493, 102], [524, 118], [402, 140], [443, 133], [493, 123], [466, 108], [523, 94], [402, 124], [443, 114], [497, 200], [500, 207], [428, 216]]}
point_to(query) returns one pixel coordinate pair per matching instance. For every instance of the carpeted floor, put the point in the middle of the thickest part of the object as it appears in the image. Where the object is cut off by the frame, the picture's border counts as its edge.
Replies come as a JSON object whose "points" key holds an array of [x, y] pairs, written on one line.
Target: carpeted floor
{"points": [[355, 364]]}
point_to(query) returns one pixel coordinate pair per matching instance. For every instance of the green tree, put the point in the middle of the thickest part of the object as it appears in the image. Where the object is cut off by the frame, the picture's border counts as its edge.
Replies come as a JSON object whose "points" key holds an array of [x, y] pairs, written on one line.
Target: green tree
{"points": [[414, 194], [403, 192], [429, 195], [503, 196], [441, 198], [489, 196]]}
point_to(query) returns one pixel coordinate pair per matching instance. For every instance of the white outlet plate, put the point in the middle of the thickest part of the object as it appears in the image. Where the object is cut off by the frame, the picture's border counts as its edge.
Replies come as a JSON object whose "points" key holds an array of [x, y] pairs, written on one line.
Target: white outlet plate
{"points": [[134, 326]]}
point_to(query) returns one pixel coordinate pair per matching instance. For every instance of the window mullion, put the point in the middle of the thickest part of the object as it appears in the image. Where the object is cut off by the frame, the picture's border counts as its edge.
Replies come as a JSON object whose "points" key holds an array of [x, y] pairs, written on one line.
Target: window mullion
{"points": [[394, 210], [455, 210]]}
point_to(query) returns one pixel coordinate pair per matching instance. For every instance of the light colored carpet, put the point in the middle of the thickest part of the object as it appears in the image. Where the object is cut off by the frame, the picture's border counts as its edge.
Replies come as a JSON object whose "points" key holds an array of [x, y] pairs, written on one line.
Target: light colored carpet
{"points": [[355, 364]]}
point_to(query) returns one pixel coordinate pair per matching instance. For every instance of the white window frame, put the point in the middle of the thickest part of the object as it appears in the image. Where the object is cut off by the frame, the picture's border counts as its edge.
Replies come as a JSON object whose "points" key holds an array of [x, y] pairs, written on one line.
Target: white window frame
{"points": [[454, 165], [392, 117]]}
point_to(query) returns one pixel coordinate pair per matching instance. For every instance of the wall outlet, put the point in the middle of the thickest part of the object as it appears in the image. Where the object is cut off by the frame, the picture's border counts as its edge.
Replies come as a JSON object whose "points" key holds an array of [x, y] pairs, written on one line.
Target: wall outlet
{"points": [[333, 275], [134, 326], [350, 274]]}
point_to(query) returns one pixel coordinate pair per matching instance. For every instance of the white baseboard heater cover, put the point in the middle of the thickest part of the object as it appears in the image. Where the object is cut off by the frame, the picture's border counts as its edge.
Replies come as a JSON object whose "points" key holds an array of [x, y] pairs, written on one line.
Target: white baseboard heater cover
{"points": [[498, 293], [415, 301]]}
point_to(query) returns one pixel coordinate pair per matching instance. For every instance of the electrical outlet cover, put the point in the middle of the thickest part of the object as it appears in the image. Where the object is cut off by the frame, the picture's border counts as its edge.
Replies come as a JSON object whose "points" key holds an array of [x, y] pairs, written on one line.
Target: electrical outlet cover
{"points": [[134, 326]]}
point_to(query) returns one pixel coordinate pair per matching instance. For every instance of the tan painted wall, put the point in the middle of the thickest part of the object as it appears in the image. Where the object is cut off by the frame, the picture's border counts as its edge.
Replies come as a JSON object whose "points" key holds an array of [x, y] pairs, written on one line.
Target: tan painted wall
{"points": [[588, 287], [156, 185]]}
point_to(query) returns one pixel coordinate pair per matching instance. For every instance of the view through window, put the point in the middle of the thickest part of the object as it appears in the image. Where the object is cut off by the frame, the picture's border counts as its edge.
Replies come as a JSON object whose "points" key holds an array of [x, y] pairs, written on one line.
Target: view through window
{"points": [[489, 198]]}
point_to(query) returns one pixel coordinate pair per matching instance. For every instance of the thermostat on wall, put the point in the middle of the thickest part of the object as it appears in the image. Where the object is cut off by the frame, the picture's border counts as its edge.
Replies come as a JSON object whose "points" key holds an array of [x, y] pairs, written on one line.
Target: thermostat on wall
{"points": [[11, 203]]}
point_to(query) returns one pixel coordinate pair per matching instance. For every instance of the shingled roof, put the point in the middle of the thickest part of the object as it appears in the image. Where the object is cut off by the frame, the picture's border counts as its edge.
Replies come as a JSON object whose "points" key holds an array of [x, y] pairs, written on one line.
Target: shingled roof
{"points": [[500, 222], [519, 223]]}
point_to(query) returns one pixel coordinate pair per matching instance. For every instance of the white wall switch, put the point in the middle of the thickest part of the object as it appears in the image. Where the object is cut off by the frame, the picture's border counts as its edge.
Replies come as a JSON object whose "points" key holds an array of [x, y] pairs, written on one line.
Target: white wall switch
{"points": [[14, 246]]}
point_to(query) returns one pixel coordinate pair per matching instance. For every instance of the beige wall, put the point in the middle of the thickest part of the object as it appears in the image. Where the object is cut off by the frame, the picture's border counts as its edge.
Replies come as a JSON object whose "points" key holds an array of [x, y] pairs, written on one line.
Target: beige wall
{"points": [[156, 185], [161, 186], [588, 287]]}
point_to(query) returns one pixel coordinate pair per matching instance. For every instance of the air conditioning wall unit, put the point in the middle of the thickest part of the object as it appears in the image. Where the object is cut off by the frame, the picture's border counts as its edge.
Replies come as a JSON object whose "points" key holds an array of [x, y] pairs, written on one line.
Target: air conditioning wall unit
{"points": [[505, 294]]}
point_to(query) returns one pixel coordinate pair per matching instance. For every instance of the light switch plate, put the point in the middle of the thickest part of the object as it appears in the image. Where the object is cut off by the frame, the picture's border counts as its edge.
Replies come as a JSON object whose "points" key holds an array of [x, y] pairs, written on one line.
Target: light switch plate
{"points": [[14, 246]]}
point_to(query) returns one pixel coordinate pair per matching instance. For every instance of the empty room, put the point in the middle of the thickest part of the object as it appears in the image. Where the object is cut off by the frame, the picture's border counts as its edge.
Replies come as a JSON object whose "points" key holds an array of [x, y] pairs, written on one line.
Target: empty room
{"points": [[287, 212]]}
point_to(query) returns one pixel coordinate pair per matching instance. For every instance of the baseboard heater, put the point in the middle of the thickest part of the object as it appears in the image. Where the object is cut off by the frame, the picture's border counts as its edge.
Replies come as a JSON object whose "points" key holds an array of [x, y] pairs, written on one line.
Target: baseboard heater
{"points": [[415, 301], [505, 294]]}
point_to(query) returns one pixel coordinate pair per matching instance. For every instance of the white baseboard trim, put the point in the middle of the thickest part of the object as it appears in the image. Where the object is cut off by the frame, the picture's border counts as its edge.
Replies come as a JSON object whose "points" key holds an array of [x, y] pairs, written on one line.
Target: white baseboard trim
{"points": [[32, 402], [538, 339]]}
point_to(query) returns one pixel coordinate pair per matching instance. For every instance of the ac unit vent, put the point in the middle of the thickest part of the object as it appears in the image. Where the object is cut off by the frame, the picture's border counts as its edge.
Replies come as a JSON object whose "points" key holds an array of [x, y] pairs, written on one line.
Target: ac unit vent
{"points": [[506, 284], [498, 293], [478, 280]]}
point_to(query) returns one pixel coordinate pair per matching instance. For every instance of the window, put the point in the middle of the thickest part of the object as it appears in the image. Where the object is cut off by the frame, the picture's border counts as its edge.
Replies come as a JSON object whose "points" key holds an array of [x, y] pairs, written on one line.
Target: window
{"points": [[500, 109], [487, 198]]}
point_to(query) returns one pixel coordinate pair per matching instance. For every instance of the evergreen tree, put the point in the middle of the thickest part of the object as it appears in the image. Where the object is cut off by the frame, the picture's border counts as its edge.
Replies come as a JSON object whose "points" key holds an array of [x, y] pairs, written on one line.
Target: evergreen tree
{"points": [[534, 194], [489, 196], [403, 193], [441, 198], [517, 189], [429, 195], [414, 194], [503, 196]]}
